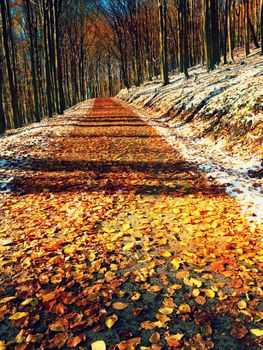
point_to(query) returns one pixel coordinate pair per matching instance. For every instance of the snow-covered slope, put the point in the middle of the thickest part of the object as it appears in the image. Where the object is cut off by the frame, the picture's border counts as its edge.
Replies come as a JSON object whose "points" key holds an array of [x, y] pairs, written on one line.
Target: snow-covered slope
{"points": [[225, 104]]}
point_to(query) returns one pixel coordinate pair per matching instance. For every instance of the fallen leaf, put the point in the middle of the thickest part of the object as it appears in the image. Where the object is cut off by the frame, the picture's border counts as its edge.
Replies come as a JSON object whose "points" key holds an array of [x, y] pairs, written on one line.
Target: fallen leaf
{"points": [[184, 309], [210, 293], [166, 310], [75, 341], [111, 320], [257, 332], [155, 338], [128, 344], [242, 305], [147, 325], [58, 341], [119, 306], [98, 345], [18, 315], [6, 300]]}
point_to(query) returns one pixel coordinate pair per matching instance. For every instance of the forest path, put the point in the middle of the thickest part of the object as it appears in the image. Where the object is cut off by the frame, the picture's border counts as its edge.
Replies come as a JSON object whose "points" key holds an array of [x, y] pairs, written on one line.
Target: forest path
{"points": [[108, 234]]}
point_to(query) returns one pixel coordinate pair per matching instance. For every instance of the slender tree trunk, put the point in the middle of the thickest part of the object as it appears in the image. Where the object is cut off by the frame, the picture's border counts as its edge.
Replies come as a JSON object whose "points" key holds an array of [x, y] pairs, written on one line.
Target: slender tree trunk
{"points": [[208, 46], [10, 32], [32, 58], [47, 66], [224, 41], [58, 4], [246, 27], [13, 90], [163, 40], [229, 31], [2, 113], [215, 31], [254, 38]]}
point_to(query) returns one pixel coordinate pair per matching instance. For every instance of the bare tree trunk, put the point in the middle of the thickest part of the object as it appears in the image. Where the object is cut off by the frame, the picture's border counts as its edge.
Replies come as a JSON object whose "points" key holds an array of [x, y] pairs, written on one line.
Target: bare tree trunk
{"points": [[32, 58], [246, 27], [2, 113], [58, 4], [229, 31], [163, 40], [47, 66]]}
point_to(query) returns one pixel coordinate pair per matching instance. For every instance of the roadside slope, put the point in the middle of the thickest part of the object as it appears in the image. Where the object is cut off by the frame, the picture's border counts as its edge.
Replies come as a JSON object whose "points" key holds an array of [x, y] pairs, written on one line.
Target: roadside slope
{"points": [[224, 105]]}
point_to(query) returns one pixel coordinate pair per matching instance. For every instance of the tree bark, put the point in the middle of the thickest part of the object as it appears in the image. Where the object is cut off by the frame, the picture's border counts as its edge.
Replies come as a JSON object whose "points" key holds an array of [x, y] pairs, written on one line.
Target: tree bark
{"points": [[163, 40], [32, 58], [2, 113], [246, 27], [229, 31], [58, 4], [47, 66]]}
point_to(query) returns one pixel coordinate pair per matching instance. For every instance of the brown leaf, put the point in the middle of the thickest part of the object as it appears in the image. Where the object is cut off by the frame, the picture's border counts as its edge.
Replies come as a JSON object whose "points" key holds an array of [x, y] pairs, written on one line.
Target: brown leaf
{"points": [[74, 342], [58, 341], [119, 306], [129, 344], [238, 332], [155, 338]]}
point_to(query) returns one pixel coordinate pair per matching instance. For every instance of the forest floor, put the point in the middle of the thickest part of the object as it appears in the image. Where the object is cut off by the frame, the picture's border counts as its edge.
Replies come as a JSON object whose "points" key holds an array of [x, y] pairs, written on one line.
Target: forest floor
{"points": [[110, 237]]}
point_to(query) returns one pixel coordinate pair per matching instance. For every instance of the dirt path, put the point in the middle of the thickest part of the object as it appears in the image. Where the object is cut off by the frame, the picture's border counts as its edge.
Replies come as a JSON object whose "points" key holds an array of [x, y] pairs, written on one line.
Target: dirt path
{"points": [[108, 234]]}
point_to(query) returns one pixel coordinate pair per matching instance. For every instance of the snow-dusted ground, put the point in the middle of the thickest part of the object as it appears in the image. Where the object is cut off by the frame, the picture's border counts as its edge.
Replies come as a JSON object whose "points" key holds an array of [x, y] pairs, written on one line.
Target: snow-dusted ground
{"points": [[18, 146], [235, 93]]}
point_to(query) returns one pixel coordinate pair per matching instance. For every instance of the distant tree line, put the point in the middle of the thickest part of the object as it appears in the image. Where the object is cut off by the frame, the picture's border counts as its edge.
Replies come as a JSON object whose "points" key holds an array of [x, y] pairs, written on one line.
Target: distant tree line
{"points": [[56, 53]]}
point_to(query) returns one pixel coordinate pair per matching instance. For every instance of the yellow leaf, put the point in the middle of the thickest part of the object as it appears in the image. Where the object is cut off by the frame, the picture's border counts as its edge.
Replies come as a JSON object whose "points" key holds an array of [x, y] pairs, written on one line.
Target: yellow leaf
{"points": [[69, 249], [184, 309], [166, 310], [109, 229], [160, 324], [195, 282], [18, 315], [176, 262], [165, 253], [242, 304], [128, 246], [177, 336], [257, 332], [111, 320], [210, 293], [113, 267], [6, 300], [2, 345], [162, 241], [135, 296], [126, 226], [98, 345], [195, 292], [119, 306]]}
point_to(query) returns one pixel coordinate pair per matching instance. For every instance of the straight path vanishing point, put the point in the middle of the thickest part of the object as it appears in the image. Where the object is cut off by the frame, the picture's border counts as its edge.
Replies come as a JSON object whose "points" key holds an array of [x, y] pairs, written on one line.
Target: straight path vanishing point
{"points": [[108, 234]]}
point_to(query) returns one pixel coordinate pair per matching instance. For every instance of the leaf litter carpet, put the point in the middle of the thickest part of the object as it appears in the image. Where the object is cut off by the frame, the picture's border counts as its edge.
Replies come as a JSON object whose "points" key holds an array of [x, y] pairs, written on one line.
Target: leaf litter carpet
{"points": [[109, 238]]}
